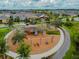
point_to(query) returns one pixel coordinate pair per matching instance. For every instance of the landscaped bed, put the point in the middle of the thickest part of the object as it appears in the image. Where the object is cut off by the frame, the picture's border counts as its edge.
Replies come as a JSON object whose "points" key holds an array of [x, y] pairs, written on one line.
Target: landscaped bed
{"points": [[39, 43], [36, 45]]}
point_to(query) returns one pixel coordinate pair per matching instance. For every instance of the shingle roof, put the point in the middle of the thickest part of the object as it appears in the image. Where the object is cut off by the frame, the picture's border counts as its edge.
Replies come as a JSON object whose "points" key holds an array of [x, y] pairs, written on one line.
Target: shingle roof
{"points": [[3, 17]]}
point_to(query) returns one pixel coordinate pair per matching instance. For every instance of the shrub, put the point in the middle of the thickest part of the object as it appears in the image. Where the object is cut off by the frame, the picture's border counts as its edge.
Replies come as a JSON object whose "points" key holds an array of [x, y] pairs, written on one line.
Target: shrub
{"points": [[53, 32], [68, 24]]}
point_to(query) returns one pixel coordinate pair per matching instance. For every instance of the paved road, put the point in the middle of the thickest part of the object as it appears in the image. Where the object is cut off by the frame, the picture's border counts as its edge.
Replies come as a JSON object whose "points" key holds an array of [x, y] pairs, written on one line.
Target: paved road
{"points": [[61, 52]]}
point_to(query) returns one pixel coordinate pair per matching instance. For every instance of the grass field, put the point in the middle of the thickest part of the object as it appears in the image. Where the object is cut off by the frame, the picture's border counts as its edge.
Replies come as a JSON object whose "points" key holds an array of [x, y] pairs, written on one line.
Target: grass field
{"points": [[4, 31], [72, 30]]}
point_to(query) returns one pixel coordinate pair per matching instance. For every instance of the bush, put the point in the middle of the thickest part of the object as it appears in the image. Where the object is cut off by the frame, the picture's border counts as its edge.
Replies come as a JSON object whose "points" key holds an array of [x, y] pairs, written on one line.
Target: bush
{"points": [[76, 37], [68, 24], [23, 51], [53, 32], [75, 57]]}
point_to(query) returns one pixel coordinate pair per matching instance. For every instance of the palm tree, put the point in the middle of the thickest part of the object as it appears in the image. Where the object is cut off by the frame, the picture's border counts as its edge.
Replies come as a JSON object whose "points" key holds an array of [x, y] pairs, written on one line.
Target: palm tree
{"points": [[18, 37], [3, 48], [23, 51]]}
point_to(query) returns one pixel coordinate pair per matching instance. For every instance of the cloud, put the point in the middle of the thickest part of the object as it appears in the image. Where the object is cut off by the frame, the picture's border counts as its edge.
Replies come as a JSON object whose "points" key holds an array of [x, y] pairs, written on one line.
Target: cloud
{"points": [[35, 4]]}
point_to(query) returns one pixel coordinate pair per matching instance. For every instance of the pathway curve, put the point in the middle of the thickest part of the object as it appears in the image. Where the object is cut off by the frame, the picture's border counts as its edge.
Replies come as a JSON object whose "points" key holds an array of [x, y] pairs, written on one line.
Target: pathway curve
{"points": [[61, 52], [45, 54]]}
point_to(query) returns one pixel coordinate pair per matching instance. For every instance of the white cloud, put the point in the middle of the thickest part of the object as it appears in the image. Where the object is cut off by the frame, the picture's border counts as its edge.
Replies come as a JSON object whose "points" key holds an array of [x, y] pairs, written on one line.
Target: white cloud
{"points": [[53, 1], [46, 2], [6, 1], [39, 4]]}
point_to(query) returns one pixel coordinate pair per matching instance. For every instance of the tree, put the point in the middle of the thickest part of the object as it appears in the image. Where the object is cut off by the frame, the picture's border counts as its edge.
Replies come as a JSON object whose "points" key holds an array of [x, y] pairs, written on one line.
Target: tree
{"points": [[33, 21], [10, 22], [18, 37], [47, 20], [78, 15], [76, 37], [17, 19], [26, 21], [76, 40], [3, 48], [72, 18], [67, 19], [68, 24], [23, 51], [57, 23]]}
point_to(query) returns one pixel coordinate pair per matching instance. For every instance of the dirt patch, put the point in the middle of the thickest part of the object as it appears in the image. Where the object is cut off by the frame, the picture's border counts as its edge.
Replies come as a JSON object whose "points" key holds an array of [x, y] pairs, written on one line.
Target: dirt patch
{"points": [[39, 43]]}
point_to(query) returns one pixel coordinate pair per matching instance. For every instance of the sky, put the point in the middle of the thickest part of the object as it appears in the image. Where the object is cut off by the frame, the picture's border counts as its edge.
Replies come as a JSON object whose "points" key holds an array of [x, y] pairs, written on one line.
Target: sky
{"points": [[39, 4]]}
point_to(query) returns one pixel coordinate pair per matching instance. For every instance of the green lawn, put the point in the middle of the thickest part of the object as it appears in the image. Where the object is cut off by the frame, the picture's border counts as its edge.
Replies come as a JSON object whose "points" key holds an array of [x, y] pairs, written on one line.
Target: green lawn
{"points": [[72, 30], [4, 31]]}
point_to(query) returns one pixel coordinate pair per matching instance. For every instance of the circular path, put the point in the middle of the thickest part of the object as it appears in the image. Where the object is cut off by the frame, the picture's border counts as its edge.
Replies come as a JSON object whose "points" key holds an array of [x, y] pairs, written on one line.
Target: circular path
{"points": [[45, 54]]}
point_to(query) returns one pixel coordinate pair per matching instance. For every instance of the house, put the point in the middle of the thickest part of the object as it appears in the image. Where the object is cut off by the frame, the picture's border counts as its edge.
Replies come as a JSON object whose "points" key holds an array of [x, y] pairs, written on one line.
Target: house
{"points": [[3, 19], [76, 19]]}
